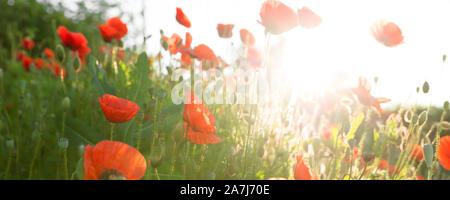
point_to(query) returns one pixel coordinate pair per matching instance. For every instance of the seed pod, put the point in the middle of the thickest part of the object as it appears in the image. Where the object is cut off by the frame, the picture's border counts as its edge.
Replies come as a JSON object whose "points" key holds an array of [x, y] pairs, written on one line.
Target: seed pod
{"points": [[63, 143], [66, 103], [81, 150], [425, 87], [60, 53]]}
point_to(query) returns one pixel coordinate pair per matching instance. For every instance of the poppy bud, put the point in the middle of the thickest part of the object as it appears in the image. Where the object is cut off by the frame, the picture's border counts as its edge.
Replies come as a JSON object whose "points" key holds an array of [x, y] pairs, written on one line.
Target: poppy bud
{"points": [[60, 53], [63, 143], [428, 154], [10, 144], [76, 63], [444, 125], [81, 150], [423, 118], [446, 104], [66, 103], [425, 87]]}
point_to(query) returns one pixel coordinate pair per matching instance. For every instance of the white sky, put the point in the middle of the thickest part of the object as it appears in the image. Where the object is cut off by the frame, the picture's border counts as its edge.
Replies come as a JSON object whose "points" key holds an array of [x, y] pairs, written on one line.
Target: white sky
{"points": [[341, 44]]}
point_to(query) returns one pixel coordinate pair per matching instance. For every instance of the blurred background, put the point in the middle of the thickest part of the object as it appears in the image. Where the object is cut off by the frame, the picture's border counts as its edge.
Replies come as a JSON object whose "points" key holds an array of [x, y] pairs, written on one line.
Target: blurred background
{"points": [[333, 55]]}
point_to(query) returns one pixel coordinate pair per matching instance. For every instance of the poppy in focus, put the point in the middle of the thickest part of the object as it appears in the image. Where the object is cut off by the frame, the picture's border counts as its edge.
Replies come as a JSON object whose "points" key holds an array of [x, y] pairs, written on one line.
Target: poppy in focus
{"points": [[75, 41], [308, 19], [113, 29], [172, 43], [117, 110], [113, 160], [387, 33], [364, 96], [277, 18], [302, 171], [198, 122], [247, 37], [444, 152], [27, 44], [225, 30], [182, 18]]}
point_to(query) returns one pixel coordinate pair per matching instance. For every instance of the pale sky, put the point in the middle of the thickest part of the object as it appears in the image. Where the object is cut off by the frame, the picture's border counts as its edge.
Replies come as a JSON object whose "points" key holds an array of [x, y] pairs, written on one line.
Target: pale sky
{"points": [[341, 44]]}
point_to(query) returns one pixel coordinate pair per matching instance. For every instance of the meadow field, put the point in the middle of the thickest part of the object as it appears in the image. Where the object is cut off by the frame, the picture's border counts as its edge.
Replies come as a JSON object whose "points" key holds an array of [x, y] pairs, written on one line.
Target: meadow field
{"points": [[79, 103]]}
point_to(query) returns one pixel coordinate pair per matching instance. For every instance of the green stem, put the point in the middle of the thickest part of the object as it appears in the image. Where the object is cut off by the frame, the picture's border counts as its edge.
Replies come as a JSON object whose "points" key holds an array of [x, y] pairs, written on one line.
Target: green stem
{"points": [[36, 149]]}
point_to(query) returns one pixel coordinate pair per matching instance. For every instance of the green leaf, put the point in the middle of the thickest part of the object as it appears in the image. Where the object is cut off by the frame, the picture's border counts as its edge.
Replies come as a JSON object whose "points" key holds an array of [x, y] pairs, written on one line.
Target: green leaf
{"points": [[142, 83]]}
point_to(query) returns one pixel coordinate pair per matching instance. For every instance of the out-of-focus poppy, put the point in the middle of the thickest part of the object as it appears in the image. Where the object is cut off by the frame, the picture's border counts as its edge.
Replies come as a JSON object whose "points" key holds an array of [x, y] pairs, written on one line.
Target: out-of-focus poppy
{"points": [[172, 43], [444, 152], [387, 33], [254, 58], [353, 156], [417, 153], [117, 110], [113, 160], [277, 18], [364, 96], [40, 63], [27, 43], [329, 131], [383, 164], [308, 19], [49, 53], [198, 122], [302, 171], [186, 50], [75, 41], [120, 55], [57, 70], [19, 55], [225, 30], [182, 18], [26, 62], [204, 53], [247, 37], [113, 29]]}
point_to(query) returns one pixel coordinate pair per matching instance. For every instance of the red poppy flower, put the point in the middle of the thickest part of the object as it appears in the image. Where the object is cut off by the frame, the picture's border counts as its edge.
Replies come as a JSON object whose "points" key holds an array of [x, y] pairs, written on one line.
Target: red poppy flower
{"points": [[308, 19], [277, 18], [182, 18], [49, 53], [254, 58], [444, 152], [225, 30], [26, 62], [364, 96], [419, 177], [186, 50], [172, 43], [383, 164], [57, 70], [387, 33], [39, 63], [117, 110], [302, 171], [19, 55], [199, 122], [113, 160], [417, 153], [75, 41], [329, 131], [113, 29], [27, 44], [247, 37], [204, 53], [120, 55]]}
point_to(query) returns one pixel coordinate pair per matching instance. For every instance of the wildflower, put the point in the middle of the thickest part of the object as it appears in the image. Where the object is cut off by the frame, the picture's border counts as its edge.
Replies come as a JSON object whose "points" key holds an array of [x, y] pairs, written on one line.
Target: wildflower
{"points": [[204, 53], [172, 43], [75, 41], [198, 122], [308, 19], [182, 18], [49, 53], [417, 153], [383, 164], [225, 30], [113, 29], [26, 62], [277, 18], [302, 171], [113, 160], [247, 37], [117, 110], [364, 96], [27, 43], [40, 63], [444, 152], [19, 55], [387, 33]]}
